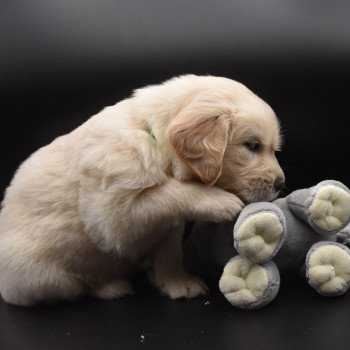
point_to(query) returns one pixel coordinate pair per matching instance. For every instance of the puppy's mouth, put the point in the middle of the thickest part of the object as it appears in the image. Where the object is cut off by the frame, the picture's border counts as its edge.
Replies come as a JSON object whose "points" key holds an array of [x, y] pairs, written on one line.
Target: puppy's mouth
{"points": [[258, 196]]}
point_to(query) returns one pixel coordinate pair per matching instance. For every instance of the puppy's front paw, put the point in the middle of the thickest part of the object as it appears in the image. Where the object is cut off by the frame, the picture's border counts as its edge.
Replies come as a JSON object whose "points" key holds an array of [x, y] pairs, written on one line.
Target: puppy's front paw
{"points": [[184, 286], [221, 206], [231, 206]]}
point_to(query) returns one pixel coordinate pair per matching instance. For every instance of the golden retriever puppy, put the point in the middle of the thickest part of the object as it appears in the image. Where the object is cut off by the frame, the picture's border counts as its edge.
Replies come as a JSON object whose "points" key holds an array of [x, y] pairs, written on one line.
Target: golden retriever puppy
{"points": [[83, 212]]}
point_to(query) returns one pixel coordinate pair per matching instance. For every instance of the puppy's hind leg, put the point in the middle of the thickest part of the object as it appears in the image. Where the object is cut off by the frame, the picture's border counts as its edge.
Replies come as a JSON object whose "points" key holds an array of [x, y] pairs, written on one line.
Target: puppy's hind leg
{"points": [[36, 285]]}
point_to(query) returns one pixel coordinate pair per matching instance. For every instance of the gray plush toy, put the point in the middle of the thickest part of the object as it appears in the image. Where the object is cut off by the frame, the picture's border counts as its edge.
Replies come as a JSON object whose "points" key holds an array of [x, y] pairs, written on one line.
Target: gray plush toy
{"points": [[299, 232], [344, 236]]}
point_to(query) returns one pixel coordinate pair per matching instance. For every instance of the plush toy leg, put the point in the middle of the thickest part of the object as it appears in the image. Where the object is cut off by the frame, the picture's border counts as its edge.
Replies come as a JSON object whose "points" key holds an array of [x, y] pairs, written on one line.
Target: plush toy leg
{"points": [[247, 285], [328, 268], [259, 231], [344, 236], [325, 207]]}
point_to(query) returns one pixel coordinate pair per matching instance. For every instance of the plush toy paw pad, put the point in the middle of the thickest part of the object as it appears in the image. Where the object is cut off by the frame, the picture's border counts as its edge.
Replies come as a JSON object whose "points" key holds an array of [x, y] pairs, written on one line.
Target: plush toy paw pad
{"points": [[330, 209], [243, 282], [328, 269], [259, 236]]}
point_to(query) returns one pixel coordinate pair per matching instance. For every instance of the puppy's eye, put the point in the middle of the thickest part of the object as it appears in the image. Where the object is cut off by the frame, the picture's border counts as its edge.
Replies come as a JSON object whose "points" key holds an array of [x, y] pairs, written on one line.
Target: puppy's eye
{"points": [[253, 146]]}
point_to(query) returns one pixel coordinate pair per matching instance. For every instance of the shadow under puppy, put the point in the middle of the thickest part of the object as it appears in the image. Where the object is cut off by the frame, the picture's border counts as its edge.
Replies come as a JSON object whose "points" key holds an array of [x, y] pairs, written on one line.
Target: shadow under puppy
{"points": [[83, 212]]}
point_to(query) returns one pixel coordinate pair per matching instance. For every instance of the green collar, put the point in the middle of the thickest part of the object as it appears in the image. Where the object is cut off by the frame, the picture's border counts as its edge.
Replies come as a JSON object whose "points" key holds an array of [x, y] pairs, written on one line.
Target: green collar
{"points": [[150, 131]]}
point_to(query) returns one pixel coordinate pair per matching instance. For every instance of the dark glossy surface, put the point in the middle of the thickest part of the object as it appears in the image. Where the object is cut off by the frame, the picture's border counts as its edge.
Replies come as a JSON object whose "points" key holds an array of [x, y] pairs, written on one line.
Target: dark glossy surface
{"points": [[297, 319], [62, 61]]}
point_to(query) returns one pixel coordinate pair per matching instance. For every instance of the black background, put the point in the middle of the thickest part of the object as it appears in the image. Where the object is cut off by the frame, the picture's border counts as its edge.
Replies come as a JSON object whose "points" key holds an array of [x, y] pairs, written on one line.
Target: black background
{"points": [[62, 61]]}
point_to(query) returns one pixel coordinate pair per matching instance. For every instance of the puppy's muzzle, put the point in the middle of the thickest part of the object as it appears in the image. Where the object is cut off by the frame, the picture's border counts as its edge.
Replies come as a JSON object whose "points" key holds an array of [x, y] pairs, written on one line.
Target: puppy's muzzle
{"points": [[279, 184]]}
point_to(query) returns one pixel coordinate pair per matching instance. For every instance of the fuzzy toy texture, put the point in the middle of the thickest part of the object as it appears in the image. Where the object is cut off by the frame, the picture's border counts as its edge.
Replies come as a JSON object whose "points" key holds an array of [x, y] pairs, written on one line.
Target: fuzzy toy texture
{"points": [[299, 232]]}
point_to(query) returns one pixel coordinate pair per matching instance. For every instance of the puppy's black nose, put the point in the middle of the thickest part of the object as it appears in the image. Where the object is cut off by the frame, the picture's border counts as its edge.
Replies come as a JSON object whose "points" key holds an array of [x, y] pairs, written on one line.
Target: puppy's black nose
{"points": [[279, 184]]}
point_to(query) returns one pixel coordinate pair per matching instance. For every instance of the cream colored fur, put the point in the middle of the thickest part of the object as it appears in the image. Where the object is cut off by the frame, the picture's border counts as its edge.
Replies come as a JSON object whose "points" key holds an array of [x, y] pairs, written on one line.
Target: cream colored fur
{"points": [[83, 212]]}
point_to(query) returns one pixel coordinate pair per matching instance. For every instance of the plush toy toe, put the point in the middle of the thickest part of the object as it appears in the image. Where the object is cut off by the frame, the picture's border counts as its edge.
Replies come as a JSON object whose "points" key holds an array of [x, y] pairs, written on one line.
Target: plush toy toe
{"points": [[247, 285], [330, 208], [328, 268], [259, 236]]}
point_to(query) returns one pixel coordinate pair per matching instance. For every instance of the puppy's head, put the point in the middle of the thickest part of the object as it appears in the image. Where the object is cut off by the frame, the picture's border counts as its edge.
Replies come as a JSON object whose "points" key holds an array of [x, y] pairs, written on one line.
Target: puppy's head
{"points": [[227, 136]]}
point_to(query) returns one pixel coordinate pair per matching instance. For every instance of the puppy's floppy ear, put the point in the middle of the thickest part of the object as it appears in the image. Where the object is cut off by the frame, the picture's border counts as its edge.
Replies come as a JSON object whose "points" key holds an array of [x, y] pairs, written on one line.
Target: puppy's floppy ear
{"points": [[200, 143]]}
